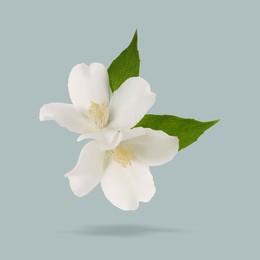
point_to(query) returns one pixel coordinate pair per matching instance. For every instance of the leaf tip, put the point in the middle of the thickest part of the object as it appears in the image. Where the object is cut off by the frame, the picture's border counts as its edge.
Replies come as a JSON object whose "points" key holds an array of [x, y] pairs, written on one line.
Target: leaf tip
{"points": [[135, 39], [215, 121]]}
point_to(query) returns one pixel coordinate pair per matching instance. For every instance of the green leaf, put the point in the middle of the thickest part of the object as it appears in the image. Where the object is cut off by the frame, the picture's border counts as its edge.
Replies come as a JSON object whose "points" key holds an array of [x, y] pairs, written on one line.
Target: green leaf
{"points": [[126, 65], [187, 130]]}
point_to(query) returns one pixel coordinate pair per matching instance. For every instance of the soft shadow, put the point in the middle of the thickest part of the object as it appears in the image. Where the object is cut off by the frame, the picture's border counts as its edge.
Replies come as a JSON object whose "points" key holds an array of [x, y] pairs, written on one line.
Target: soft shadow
{"points": [[124, 230]]}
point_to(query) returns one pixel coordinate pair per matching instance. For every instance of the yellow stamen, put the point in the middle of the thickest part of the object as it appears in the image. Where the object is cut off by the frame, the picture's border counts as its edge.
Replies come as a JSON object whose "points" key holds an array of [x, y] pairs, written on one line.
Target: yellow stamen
{"points": [[98, 114], [123, 155]]}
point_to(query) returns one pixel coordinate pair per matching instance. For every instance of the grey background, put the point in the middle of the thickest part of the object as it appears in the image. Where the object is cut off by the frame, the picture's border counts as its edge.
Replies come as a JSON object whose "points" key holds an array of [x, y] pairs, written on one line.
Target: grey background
{"points": [[202, 60]]}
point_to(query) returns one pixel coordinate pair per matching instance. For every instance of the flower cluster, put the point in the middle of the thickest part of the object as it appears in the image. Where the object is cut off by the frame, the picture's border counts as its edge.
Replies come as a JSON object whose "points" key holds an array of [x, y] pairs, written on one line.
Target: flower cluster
{"points": [[119, 154]]}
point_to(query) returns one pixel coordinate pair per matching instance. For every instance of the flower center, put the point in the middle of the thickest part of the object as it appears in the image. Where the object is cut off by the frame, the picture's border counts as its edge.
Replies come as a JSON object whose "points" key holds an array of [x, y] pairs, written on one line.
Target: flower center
{"points": [[123, 155], [98, 114]]}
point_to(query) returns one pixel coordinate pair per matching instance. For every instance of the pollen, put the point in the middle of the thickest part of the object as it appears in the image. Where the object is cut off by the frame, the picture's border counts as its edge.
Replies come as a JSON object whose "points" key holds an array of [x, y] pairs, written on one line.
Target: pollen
{"points": [[123, 155], [98, 114]]}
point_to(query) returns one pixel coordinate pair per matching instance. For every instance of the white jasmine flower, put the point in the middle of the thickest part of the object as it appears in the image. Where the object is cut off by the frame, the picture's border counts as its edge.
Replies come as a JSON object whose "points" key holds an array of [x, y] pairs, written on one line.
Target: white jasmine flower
{"points": [[97, 113], [124, 170]]}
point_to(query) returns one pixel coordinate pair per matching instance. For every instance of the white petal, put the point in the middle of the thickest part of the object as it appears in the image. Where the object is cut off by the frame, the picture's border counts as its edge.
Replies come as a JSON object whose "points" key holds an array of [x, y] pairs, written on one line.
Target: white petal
{"points": [[130, 103], [154, 148], [126, 187], [67, 116], [107, 139], [88, 171], [131, 133], [89, 84]]}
